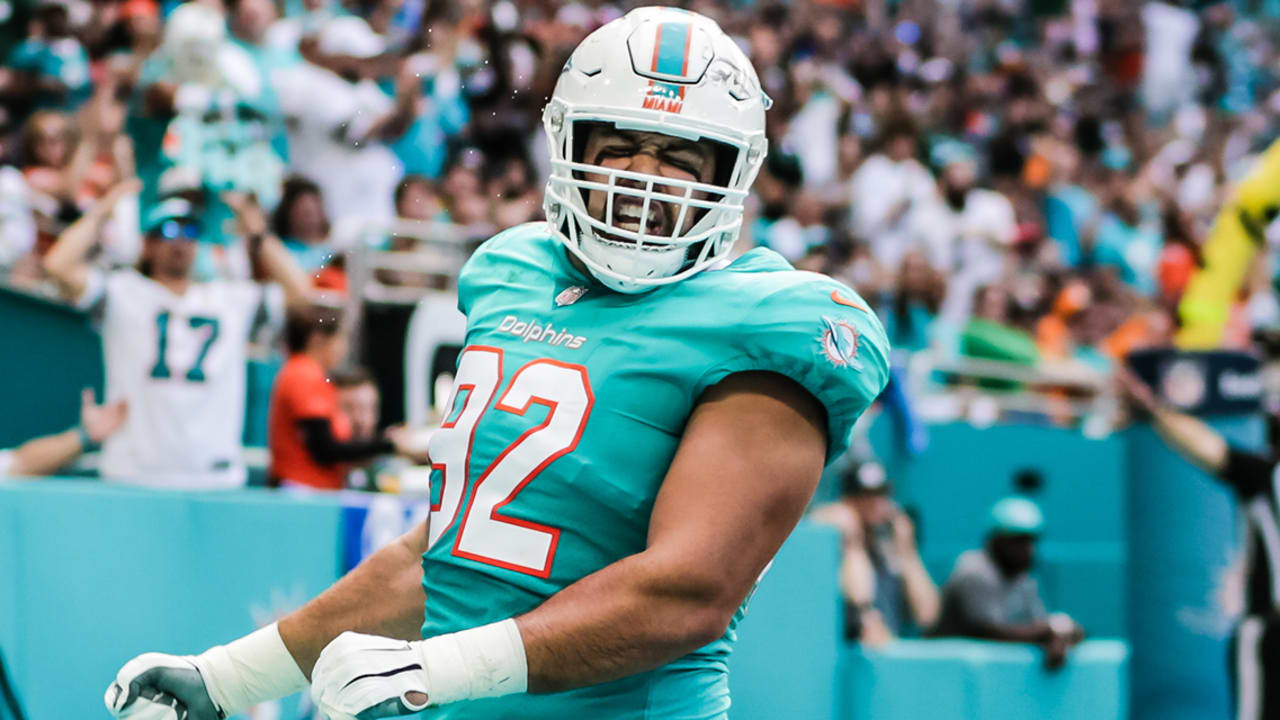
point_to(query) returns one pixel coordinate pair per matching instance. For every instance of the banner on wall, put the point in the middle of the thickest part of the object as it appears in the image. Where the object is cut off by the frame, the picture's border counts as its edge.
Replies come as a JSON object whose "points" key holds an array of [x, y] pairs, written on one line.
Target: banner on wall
{"points": [[371, 520]]}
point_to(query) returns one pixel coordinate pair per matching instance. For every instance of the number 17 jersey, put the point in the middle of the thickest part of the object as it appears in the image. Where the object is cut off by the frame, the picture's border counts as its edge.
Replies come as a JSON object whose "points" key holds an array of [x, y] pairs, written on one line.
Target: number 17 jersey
{"points": [[569, 403]]}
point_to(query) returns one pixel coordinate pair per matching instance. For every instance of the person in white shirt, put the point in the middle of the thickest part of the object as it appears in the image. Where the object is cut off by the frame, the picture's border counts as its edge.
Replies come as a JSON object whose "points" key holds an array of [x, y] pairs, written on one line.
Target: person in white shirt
{"points": [[966, 232], [886, 188], [337, 123], [175, 348], [46, 455]]}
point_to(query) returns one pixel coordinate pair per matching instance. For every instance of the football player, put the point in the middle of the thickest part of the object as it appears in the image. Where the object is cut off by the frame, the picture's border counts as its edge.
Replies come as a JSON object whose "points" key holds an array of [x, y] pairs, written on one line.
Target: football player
{"points": [[636, 426]]}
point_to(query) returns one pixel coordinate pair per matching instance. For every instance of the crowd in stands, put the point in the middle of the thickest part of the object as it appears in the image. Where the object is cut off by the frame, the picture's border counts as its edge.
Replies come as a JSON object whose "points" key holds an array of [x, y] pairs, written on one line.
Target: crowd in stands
{"points": [[1025, 181], [1029, 181]]}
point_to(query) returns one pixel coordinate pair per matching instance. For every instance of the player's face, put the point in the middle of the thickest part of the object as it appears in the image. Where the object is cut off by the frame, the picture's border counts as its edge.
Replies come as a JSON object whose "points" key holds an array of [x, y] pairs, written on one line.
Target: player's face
{"points": [[653, 154]]}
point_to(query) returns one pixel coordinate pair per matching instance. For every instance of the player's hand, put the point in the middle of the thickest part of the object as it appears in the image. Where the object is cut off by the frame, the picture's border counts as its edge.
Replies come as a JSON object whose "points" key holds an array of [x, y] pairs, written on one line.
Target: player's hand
{"points": [[101, 421], [156, 686], [361, 677]]}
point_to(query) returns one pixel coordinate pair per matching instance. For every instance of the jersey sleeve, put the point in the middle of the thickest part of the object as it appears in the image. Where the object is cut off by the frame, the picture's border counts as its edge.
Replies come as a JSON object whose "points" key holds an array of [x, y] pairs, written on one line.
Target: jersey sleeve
{"points": [[820, 334]]}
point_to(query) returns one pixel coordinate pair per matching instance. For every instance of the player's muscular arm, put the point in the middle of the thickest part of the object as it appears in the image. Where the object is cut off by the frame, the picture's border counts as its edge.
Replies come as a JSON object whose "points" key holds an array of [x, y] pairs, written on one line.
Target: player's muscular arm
{"points": [[393, 576], [750, 458]]}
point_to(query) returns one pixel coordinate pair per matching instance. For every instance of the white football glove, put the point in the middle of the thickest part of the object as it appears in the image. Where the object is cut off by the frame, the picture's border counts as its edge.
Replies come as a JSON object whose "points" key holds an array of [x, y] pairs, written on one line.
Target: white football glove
{"points": [[362, 677], [156, 686]]}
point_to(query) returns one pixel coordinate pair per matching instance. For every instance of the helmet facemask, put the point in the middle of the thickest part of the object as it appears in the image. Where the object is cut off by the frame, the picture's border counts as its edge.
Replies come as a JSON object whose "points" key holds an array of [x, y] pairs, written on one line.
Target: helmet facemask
{"points": [[670, 73], [646, 229]]}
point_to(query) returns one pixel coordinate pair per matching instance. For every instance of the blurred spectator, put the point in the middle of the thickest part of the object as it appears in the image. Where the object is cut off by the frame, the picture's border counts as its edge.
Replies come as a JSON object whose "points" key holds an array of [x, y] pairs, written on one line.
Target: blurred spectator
{"points": [[910, 306], [966, 231], [990, 334], [776, 188], [887, 591], [516, 197], [1130, 234], [175, 348], [442, 112], [359, 401], [17, 218], [248, 22], [119, 38], [204, 105], [67, 169], [339, 142], [287, 33], [837, 193], [991, 595], [50, 67], [886, 188], [47, 143], [46, 455], [300, 223], [463, 191], [312, 440], [416, 199]]}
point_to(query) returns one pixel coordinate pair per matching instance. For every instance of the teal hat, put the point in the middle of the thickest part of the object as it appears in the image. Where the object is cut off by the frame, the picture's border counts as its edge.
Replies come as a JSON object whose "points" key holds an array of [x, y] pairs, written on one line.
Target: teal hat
{"points": [[1016, 516], [173, 219]]}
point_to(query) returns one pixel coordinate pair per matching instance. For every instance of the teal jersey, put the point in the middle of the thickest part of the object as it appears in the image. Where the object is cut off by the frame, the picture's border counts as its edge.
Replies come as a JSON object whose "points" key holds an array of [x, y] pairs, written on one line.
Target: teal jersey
{"points": [[568, 408]]}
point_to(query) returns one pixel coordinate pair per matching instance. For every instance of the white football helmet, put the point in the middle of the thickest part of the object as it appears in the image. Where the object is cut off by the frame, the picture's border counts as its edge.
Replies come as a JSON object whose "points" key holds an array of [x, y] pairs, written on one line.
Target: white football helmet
{"points": [[660, 70]]}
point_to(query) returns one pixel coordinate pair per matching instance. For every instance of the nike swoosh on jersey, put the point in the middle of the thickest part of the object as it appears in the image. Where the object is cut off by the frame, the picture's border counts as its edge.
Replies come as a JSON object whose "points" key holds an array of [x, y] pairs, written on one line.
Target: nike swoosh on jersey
{"points": [[837, 299]]}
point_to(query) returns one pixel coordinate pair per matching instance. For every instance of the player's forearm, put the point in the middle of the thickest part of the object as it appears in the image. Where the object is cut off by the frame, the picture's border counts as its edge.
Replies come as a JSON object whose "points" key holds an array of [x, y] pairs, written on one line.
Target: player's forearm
{"points": [[392, 577], [44, 455], [1191, 437], [632, 616]]}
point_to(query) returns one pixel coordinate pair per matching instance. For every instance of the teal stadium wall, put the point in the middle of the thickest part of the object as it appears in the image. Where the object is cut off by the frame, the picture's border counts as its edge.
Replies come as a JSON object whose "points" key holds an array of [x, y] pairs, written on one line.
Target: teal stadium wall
{"points": [[48, 353], [97, 574], [1082, 559]]}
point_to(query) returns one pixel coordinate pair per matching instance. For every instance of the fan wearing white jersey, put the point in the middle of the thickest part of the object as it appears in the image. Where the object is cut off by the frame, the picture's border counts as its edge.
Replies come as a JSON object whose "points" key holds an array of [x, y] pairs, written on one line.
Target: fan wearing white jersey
{"points": [[174, 348]]}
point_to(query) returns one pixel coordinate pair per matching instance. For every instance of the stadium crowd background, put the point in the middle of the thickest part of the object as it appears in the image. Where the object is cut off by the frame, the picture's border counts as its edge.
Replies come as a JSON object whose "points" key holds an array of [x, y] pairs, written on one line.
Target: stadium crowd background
{"points": [[1024, 182]]}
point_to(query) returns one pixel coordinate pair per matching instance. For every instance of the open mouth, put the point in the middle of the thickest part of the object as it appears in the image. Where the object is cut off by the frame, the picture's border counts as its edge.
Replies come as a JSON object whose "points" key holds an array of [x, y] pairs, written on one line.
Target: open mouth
{"points": [[627, 215]]}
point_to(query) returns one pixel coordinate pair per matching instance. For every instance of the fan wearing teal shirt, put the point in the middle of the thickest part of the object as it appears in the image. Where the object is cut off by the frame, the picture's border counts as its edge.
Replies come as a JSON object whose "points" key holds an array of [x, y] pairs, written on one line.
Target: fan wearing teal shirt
{"points": [[636, 425], [53, 62]]}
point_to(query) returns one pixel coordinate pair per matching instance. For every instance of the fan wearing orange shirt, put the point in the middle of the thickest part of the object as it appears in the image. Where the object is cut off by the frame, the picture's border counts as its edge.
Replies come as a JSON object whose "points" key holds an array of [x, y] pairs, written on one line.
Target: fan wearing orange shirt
{"points": [[310, 438]]}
